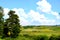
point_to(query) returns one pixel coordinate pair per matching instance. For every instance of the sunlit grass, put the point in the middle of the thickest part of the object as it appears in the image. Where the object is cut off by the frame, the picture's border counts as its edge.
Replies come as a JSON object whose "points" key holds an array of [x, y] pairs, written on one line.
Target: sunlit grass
{"points": [[41, 31]]}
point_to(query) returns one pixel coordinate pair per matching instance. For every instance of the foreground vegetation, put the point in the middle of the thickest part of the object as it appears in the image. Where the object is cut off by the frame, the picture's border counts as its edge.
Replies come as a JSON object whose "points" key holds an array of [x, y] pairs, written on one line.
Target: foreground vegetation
{"points": [[38, 33]]}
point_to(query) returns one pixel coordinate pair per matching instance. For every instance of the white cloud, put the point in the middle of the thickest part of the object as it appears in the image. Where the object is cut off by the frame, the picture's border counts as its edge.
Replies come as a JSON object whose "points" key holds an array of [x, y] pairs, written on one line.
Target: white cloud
{"points": [[55, 14], [24, 22], [49, 22], [46, 7], [40, 18], [20, 12], [6, 10], [36, 16]]}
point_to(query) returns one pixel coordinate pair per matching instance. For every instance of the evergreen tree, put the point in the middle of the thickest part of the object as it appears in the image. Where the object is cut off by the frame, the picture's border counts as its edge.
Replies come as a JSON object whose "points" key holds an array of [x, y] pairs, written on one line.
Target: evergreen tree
{"points": [[1, 21], [13, 25]]}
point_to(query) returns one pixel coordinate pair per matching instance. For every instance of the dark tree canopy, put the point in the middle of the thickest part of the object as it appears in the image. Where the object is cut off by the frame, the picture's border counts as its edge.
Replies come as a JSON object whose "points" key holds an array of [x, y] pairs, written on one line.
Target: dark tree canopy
{"points": [[9, 27], [12, 23], [1, 21], [1, 9]]}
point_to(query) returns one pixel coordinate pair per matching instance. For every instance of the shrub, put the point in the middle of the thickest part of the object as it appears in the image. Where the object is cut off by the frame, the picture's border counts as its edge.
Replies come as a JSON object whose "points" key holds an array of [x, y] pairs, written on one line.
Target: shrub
{"points": [[53, 37], [58, 37], [41, 38]]}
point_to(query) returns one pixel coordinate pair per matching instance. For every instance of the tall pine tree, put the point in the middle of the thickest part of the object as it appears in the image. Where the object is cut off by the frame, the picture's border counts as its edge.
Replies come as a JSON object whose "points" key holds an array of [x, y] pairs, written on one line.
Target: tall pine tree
{"points": [[1, 21], [13, 25]]}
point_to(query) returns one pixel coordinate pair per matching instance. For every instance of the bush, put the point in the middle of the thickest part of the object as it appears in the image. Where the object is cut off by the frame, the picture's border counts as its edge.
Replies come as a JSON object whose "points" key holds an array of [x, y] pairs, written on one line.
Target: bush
{"points": [[41, 38], [58, 38], [53, 37]]}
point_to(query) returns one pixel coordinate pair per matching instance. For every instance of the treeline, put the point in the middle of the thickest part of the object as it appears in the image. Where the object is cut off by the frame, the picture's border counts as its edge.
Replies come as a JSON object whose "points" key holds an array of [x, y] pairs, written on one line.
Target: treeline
{"points": [[32, 26], [9, 27]]}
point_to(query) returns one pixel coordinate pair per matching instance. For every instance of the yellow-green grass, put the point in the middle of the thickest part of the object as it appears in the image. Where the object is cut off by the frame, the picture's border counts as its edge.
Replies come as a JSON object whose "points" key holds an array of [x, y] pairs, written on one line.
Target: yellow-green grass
{"points": [[41, 31], [35, 31]]}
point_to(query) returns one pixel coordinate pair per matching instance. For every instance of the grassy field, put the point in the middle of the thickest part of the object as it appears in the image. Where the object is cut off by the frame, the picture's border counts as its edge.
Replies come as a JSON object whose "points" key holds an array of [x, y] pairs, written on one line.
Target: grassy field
{"points": [[32, 33], [41, 31]]}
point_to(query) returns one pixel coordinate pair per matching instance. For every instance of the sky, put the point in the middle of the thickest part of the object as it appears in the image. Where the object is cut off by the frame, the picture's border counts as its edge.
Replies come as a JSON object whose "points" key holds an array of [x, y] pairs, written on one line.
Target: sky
{"points": [[34, 12]]}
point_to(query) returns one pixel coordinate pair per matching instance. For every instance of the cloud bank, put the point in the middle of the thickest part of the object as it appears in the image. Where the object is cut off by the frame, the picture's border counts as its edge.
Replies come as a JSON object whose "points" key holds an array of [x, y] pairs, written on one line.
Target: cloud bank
{"points": [[35, 17]]}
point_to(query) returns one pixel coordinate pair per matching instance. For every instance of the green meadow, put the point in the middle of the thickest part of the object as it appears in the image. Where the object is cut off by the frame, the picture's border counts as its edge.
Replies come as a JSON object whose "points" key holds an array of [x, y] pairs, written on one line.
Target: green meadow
{"points": [[37, 33]]}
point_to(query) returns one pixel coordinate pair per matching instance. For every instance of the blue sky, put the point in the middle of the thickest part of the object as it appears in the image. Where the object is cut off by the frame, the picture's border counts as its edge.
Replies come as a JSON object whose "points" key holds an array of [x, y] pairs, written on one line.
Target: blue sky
{"points": [[34, 12]]}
